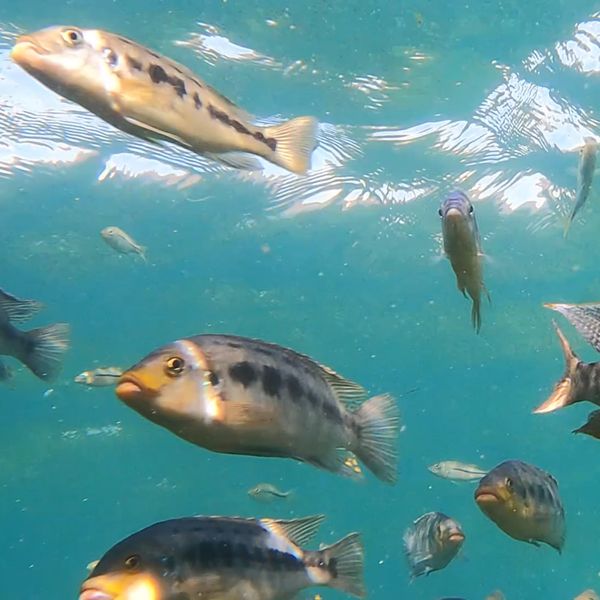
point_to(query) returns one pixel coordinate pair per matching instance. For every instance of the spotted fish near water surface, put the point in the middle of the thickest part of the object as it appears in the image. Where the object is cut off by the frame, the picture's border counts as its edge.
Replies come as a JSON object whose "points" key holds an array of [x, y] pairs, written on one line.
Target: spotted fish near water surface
{"points": [[155, 98], [244, 396]]}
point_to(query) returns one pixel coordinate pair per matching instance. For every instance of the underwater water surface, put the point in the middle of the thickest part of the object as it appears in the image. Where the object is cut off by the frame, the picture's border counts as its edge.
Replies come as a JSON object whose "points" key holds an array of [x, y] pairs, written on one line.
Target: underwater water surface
{"points": [[414, 99]]}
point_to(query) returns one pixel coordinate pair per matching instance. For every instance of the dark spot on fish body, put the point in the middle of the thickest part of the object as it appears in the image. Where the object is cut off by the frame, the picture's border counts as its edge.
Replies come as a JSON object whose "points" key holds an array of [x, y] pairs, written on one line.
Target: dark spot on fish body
{"points": [[133, 63], [271, 380], [198, 105], [244, 373], [159, 75], [312, 398], [332, 412], [294, 388], [213, 378], [332, 567], [270, 142]]}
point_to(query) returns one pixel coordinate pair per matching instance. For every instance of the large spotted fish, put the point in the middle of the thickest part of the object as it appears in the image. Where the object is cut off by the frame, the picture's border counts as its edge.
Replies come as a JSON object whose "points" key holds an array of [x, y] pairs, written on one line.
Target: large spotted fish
{"points": [[243, 396], [153, 97]]}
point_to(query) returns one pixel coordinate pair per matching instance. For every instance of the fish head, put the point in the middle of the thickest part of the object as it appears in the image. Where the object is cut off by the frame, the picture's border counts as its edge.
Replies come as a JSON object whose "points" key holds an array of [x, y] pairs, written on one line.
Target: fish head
{"points": [[458, 218], [450, 533], [175, 382], [500, 493], [436, 468], [71, 61], [86, 377], [134, 569], [109, 232]]}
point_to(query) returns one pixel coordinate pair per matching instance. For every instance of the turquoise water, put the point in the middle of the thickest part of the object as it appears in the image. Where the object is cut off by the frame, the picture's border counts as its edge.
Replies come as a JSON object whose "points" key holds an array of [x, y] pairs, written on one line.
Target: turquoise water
{"points": [[416, 99]]}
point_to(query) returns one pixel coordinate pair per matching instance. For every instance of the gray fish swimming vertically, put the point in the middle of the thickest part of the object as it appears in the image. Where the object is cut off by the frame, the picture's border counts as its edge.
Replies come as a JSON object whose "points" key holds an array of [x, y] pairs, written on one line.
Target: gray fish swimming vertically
{"points": [[40, 350], [587, 165], [580, 381], [431, 542], [462, 246], [523, 501], [224, 558], [244, 396], [155, 98]]}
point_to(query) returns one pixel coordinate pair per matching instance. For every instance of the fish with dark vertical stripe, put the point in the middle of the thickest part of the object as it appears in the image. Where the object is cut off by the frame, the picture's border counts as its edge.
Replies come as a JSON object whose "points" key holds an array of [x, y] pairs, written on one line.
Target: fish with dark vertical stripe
{"points": [[244, 396], [221, 558]]}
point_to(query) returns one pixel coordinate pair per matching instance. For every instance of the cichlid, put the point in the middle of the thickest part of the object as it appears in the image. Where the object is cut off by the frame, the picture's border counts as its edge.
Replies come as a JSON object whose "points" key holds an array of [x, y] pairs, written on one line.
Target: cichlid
{"points": [[457, 471], [122, 242], [580, 381], [155, 98], [266, 492], [40, 350], [100, 377], [431, 542], [523, 501], [462, 246], [243, 396], [587, 165], [220, 558]]}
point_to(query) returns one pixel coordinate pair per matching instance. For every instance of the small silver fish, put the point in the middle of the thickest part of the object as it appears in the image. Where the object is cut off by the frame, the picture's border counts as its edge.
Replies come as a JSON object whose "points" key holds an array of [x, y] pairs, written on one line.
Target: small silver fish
{"points": [[100, 377], [122, 242], [155, 98], [457, 471], [587, 165], [462, 246], [432, 541], [265, 492]]}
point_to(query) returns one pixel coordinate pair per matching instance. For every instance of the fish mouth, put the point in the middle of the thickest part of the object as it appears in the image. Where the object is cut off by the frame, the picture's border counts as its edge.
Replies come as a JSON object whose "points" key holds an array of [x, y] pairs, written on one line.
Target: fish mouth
{"points": [[486, 495], [456, 537], [26, 49], [130, 388], [91, 593], [453, 213]]}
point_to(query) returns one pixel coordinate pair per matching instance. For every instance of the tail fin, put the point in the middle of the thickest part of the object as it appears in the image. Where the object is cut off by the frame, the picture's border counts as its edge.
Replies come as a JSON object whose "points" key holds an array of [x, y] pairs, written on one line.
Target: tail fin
{"points": [[564, 392], [476, 314], [344, 563], [296, 140], [379, 421], [45, 348]]}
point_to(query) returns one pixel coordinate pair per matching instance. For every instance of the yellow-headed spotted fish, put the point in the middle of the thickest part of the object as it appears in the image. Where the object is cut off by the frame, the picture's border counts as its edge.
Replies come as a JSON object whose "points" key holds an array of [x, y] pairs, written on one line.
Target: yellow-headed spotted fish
{"points": [[155, 98], [523, 501], [243, 396], [226, 559]]}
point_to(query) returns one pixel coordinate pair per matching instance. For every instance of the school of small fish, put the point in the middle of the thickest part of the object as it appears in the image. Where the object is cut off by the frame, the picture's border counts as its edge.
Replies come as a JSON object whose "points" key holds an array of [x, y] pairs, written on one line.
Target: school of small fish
{"points": [[235, 395]]}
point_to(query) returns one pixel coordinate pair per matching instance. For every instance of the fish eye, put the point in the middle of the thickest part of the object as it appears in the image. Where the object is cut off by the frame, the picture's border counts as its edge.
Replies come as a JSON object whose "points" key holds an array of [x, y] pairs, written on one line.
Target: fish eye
{"points": [[132, 562], [72, 36], [440, 212], [509, 483], [174, 366], [470, 210]]}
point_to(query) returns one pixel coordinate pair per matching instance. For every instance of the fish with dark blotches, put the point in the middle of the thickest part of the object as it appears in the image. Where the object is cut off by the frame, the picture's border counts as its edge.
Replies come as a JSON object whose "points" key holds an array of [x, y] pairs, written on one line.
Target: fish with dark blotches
{"points": [[244, 396], [41, 350], [431, 542], [523, 501], [155, 98], [224, 558], [580, 381], [462, 247], [587, 166]]}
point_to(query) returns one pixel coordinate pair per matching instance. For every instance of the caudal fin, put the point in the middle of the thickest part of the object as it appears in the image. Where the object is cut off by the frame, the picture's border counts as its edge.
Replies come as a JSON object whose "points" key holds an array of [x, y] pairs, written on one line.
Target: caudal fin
{"points": [[476, 314], [45, 349], [344, 564], [296, 140], [564, 392], [378, 424]]}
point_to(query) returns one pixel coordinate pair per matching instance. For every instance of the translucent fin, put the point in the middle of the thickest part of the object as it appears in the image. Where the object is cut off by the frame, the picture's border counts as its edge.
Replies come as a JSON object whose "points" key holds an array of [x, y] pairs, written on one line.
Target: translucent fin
{"points": [[378, 425], [296, 140], [298, 531], [157, 132], [18, 311], [236, 160], [351, 394], [563, 393], [584, 317], [476, 314], [344, 561], [46, 347], [339, 461]]}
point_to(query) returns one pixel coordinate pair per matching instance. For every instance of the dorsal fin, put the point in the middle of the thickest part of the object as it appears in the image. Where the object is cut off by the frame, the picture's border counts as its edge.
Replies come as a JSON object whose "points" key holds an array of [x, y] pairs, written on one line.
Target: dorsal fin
{"points": [[351, 394], [297, 531], [18, 311]]}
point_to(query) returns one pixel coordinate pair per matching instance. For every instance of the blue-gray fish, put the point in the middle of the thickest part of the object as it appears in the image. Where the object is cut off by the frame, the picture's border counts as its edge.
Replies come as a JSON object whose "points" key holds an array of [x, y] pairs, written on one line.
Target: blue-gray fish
{"points": [[524, 502], [431, 542], [122, 242], [244, 396], [587, 165], [462, 246], [155, 98], [457, 471], [224, 558], [40, 350], [99, 377]]}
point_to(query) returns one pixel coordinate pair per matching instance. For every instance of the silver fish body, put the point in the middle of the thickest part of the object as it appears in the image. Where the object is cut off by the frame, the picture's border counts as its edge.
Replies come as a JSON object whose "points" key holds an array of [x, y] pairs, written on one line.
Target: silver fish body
{"points": [[122, 242], [524, 502], [266, 492], [225, 558], [457, 471], [245, 396], [100, 377], [587, 166], [462, 246], [432, 541], [153, 97], [41, 350]]}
